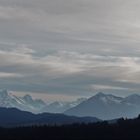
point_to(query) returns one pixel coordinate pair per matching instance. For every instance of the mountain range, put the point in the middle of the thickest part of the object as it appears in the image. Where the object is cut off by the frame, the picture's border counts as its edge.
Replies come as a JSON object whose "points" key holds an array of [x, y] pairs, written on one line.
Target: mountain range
{"points": [[60, 107], [107, 106], [27, 103], [102, 106]]}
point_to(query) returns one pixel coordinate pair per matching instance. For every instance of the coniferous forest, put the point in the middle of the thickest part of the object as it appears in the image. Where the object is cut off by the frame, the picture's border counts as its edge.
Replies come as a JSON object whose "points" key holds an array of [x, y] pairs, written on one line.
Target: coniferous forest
{"points": [[123, 129]]}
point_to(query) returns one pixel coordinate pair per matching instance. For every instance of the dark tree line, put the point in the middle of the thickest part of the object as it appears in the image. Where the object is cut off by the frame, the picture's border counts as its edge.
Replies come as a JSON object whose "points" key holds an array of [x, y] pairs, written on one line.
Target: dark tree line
{"points": [[123, 129]]}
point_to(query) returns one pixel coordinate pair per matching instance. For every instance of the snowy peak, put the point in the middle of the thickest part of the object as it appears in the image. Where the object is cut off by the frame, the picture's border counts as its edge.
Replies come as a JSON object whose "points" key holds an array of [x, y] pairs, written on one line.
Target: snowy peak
{"points": [[106, 98], [28, 98], [4, 93], [132, 99], [60, 107], [107, 106], [100, 94], [25, 103], [103, 106]]}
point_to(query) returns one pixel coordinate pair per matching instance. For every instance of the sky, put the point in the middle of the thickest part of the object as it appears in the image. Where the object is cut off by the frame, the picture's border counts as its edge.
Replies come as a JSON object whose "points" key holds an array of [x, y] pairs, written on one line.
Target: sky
{"points": [[66, 49]]}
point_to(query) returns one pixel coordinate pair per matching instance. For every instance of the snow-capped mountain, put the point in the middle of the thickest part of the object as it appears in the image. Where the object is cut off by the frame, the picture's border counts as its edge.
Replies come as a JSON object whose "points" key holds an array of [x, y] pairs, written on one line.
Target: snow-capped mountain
{"points": [[60, 107], [132, 100], [26, 103], [107, 107], [103, 106]]}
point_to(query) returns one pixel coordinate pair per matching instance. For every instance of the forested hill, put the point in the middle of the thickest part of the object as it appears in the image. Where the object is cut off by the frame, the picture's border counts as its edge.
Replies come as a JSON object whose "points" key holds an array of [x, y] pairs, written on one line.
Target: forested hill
{"points": [[122, 130]]}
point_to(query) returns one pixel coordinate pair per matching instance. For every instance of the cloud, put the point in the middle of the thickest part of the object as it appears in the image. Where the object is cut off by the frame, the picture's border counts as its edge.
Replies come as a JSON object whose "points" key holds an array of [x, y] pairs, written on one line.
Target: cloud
{"points": [[9, 75], [69, 47], [106, 87], [68, 73]]}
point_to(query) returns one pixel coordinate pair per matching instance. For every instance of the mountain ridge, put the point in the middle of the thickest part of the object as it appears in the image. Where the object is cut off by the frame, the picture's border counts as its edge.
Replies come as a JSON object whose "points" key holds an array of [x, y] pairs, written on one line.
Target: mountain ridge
{"points": [[27, 103], [12, 117], [101, 105], [107, 106]]}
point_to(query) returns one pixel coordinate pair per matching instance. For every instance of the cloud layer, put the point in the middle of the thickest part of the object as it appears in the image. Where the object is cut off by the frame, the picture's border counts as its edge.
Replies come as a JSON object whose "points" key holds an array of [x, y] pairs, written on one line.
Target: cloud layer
{"points": [[68, 72], [72, 47]]}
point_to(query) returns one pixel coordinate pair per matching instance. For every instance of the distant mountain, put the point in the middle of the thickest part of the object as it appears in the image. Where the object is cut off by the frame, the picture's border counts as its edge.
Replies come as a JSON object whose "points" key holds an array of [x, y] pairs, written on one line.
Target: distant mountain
{"points": [[103, 106], [10, 117], [107, 107], [26, 103], [60, 107]]}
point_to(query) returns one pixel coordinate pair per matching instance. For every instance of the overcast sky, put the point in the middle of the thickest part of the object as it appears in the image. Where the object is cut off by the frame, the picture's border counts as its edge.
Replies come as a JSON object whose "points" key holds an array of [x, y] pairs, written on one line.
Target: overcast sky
{"points": [[66, 49]]}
